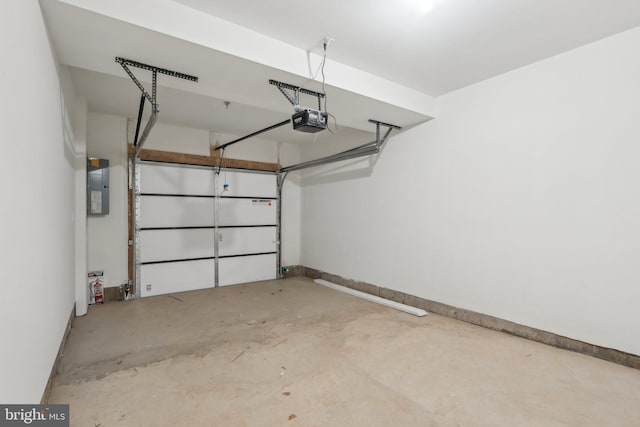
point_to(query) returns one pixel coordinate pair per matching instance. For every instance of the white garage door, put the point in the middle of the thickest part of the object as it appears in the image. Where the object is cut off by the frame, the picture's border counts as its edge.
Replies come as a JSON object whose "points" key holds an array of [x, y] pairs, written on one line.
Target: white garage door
{"points": [[177, 224]]}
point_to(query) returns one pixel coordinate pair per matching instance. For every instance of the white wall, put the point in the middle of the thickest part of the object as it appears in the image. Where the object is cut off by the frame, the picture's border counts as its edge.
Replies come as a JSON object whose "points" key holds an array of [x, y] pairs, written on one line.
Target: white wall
{"points": [[37, 184], [521, 200], [107, 235], [291, 225], [180, 139]]}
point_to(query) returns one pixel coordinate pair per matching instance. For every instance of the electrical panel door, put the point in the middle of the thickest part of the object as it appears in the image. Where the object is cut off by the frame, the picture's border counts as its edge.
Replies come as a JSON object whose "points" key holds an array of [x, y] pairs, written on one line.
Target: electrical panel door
{"points": [[97, 186]]}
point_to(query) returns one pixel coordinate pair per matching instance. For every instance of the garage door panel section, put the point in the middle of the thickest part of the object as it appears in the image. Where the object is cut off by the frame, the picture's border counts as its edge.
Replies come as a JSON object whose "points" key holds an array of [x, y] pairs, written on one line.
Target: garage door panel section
{"points": [[175, 179], [253, 268], [247, 240], [177, 228], [243, 184], [244, 212], [166, 278], [173, 212], [176, 244]]}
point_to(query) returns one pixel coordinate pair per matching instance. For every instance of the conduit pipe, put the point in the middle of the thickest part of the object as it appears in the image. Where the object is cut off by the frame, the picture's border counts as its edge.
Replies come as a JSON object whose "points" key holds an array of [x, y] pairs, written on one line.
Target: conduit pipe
{"points": [[372, 298]]}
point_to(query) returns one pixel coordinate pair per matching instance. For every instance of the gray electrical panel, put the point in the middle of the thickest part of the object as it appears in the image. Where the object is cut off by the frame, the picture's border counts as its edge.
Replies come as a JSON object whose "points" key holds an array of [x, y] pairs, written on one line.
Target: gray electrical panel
{"points": [[97, 186]]}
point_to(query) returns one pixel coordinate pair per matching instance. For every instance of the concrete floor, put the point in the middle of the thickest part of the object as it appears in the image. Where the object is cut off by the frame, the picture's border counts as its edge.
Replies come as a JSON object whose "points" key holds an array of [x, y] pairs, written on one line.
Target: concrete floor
{"points": [[291, 352]]}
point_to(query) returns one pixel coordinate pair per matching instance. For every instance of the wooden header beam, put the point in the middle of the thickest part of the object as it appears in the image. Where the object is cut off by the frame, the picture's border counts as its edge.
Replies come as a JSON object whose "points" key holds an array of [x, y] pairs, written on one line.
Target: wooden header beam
{"points": [[200, 160]]}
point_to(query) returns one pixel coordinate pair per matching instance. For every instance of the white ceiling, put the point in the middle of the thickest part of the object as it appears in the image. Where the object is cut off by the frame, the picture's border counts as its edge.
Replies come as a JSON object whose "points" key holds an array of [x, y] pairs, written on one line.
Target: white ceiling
{"points": [[388, 60], [459, 42], [117, 95], [88, 42]]}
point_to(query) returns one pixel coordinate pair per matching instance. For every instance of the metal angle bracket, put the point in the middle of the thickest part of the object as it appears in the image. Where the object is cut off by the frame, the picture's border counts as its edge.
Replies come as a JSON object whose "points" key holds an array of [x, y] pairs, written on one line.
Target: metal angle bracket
{"points": [[390, 127], [292, 92], [152, 98]]}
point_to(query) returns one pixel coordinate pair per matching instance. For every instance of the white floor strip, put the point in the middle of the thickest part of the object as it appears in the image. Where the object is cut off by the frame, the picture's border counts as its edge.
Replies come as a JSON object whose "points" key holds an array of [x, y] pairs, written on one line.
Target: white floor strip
{"points": [[388, 303]]}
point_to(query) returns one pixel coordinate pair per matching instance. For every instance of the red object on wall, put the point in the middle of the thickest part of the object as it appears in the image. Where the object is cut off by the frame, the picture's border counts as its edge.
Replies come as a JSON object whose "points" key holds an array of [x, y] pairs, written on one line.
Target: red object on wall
{"points": [[96, 287], [97, 292]]}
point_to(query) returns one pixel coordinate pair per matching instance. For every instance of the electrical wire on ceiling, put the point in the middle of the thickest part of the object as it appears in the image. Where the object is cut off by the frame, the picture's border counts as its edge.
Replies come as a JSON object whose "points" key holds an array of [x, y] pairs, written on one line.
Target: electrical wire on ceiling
{"points": [[307, 120], [324, 60], [320, 70], [325, 43]]}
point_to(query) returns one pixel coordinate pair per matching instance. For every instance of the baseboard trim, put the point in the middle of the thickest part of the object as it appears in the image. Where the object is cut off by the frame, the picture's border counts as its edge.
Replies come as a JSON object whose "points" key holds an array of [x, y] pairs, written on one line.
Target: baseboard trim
{"points": [[56, 363], [484, 320], [292, 271], [114, 293]]}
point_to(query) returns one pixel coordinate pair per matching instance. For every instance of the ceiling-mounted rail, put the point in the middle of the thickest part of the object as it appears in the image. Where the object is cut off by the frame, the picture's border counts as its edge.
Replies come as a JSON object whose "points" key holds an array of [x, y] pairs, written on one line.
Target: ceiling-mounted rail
{"points": [[151, 97], [294, 96], [251, 135], [373, 147], [292, 93]]}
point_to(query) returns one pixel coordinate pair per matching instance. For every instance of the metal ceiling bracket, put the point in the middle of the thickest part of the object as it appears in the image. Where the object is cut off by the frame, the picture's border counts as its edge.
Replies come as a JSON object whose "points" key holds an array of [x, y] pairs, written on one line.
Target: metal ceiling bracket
{"points": [[292, 93], [294, 96], [380, 141], [151, 97], [293, 99]]}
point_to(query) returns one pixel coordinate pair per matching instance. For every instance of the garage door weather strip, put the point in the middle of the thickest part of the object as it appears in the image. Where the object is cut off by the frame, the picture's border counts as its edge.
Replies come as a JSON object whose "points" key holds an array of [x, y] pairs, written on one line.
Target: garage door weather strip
{"points": [[280, 183], [216, 228]]}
